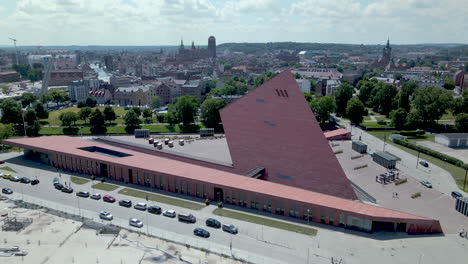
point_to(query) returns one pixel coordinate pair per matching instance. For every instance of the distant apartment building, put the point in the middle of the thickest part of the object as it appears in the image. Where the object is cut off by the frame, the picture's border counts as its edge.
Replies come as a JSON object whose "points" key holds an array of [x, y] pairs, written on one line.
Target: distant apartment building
{"points": [[326, 87], [9, 76], [121, 81], [163, 90], [78, 90], [102, 96], [134, 95], [64, 77], [109, 63], [304, 85], [193, 88]]}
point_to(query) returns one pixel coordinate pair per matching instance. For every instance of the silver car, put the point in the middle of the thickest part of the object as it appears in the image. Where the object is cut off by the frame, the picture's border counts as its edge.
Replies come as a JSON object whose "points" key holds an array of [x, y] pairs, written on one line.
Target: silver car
{"points": [[106, 215], [169, 213], [140, 206], [230, 228], [96, 196], [136, 222]]}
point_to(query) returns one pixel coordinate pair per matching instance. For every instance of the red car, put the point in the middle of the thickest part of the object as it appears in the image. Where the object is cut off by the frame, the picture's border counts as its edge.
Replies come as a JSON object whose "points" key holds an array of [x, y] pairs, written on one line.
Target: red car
{"points": [[108, 198]]}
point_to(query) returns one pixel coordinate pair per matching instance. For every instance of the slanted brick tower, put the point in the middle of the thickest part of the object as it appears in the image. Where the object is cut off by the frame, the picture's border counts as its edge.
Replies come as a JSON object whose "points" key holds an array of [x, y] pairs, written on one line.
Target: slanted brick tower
{"points": [[273, 127]]}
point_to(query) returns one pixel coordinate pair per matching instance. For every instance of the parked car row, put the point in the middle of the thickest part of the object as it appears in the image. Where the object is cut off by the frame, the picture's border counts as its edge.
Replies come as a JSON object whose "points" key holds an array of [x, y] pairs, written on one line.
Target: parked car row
{"points": [[18, 179]]}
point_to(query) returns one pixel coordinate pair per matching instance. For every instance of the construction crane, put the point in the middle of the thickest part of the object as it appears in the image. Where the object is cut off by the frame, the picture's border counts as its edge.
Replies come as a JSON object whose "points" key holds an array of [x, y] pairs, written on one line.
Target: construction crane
{"points": [[16, 50]]}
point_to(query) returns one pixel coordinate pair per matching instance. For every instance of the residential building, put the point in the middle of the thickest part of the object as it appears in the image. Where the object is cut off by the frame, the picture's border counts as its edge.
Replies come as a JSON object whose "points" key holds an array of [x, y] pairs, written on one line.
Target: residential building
{"points": [[134, 95]]}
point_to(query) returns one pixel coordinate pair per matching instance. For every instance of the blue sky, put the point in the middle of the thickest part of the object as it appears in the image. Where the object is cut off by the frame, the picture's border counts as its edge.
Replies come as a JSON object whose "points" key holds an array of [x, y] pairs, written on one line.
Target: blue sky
{"points": [[164, 22]]}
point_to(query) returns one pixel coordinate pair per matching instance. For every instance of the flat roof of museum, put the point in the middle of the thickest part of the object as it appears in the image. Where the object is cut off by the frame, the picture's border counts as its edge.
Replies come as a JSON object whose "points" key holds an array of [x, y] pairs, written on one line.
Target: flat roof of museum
{"points": [[72, 145]]}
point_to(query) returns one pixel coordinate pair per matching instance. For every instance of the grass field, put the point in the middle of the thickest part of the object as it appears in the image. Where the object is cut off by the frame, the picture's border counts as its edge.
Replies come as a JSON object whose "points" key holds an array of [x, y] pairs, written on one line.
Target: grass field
{"points": [[457, 173], [380, 118], [78, 180], [54, 115], [266, 222], [366, 118], [162, 199], [375, 125], [105, 186], [6, 168]]}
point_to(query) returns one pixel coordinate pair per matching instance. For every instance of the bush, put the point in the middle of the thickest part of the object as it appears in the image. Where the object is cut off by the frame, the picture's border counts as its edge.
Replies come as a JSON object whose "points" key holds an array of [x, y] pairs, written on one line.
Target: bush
{"points": [[416, 195], [412, 133], [401, 181], [382, 122], [360, 167], [93, 177], [432, 153], [207, 201], [103, 179], [357, 157], [339, 151], [220, 205]]}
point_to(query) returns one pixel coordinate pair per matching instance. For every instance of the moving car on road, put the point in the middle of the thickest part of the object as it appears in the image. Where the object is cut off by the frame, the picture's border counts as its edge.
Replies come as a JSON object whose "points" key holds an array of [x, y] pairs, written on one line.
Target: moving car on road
{"points": [[213, 223], [25, 180], [230, 228], [140, 206], [96, 196], [55, 180], [125, 203], [154, 210], [186, 217], [34, 182], [108, 198], [106, 215], [58, 186], [82, 194], [7, 191], [456, 194], [67, 189], [136, 222], [424, 163], [427, 184], [2, 162], [201, 232], [14, 178], [169, 213], [6, 176]]}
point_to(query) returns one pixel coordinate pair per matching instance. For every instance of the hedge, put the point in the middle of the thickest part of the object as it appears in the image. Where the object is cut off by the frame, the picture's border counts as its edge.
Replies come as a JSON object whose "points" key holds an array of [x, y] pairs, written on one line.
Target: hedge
{"points": [[410, 133], [432, 153]]}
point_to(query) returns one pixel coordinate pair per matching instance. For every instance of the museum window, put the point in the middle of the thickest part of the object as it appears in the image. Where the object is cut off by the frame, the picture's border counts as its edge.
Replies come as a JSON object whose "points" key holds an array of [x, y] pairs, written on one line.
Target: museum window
{"points": [[294, 211], [176, 189], [234, 201], [197, 191], [161, 182], [332, 218], [188, 188], [204, 192], [227, 198], [323, 216], [182, 187]]}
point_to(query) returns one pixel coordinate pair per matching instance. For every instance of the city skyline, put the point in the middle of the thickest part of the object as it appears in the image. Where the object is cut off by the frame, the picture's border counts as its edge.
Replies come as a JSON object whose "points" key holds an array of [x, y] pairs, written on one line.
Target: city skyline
{"points": [[148, 23]]}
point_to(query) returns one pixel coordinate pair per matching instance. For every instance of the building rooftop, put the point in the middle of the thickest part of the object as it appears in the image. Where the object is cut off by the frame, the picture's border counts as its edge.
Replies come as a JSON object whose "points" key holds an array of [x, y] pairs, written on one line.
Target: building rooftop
{"points": [[132, 159]]}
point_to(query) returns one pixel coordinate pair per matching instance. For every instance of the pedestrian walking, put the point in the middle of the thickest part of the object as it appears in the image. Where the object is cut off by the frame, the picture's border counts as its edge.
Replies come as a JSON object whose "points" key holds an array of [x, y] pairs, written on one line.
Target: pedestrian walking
{"points": [[396, 195]]}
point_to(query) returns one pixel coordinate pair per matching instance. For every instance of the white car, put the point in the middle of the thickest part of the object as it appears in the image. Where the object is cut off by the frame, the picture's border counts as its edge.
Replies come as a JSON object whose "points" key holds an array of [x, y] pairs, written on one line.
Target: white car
{"points": [[96, 196], [140, 206], [230, 228], [106, 216], [169, 213], [136, 222]]}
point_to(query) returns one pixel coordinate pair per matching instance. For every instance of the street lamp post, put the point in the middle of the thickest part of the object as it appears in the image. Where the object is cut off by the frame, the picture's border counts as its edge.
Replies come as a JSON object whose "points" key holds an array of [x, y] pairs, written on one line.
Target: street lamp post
{"points": [[464, 183], [308, 216]]}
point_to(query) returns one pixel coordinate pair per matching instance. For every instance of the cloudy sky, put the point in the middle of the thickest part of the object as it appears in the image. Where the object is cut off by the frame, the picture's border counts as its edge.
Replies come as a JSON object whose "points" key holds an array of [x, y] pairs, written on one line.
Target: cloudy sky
{"points": [[165, 22]]}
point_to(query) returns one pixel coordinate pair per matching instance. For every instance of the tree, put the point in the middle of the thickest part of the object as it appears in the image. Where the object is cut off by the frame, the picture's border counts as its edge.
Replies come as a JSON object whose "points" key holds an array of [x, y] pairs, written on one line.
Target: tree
{"points": [[97, 121], [323, 107], [81, 104], [35, 75], [185, 108], [109, 113], [297, 76], [365, 91], [147, 113], [27, 99], [22, 69], [309, 97], [84, 113], [6, 131], [407, 90], [355, 111], [41, 111], [6, 89], [155, 102], [132, 121], [398, 76], [57, 96], [383, 100], [171, 118], [91, 101], [430, 103], [136, 110], [343, 94], [399, 118], [68, 118], [449, 84], [460, 105], [209, 112], [45, 98], [33, 125], [461, 122], [11, 112]]}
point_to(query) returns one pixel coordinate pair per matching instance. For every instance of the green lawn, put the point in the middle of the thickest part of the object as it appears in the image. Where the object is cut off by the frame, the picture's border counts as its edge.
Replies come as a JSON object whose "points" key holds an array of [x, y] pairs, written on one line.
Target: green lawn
{"points": [[375, 125], [162, 199], [266, 222], [7, 169], [105, 186], [118, 129], [367, 118], [78, 180], [457, 173], [54, 115], [380, 118]]}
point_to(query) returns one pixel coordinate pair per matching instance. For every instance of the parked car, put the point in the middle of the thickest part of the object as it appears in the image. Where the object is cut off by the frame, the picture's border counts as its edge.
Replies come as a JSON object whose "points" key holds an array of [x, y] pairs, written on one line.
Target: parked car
{"points": [[82, 194], [2, 162], [154, 209], [456, 194], [213, 223], [55, 180], [96, 196], [6, 176], [58, 186], [201, 232], [14, 178], [169, 213], [34, 182], [186, 217], [67, 189], [125, 203], [230, 228], [427, 184], [140, 206], [25, 180], [7, 191], [424, 163], [106, 216], [136, 222], [108, 198]]}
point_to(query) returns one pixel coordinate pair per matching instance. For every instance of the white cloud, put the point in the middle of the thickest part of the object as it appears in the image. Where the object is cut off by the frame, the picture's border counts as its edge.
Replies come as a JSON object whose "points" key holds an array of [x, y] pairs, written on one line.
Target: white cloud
{"points": [[151, 22]]}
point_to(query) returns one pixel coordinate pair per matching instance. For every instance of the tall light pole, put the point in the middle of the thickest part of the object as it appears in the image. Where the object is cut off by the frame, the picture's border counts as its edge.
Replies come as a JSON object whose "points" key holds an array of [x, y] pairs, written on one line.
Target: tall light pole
{"points": [[16, 50], [464, 183], [24, 123], [308, 216]]}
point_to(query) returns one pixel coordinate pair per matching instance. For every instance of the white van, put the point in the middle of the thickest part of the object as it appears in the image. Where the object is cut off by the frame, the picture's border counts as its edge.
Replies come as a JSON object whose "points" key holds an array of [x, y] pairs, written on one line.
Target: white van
{"points": [[186, 217]]}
